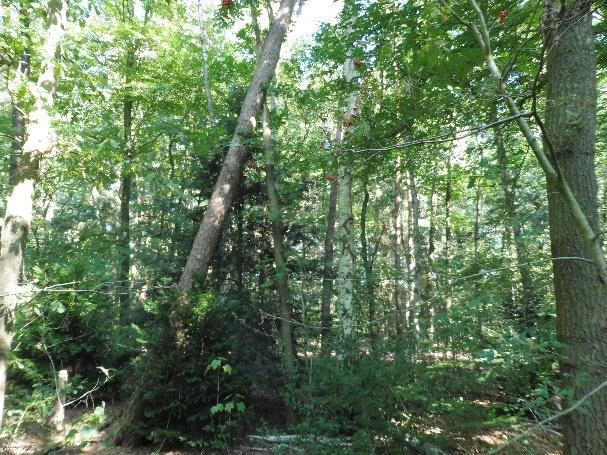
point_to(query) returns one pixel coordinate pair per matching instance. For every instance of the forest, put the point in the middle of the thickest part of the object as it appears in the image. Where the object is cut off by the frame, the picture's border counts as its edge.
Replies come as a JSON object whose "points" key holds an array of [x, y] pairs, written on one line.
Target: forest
{"points": [[303, 227]]}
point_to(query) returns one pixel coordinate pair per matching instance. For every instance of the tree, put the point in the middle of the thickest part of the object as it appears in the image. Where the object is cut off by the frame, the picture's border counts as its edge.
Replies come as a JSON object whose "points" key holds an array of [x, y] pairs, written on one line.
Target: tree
{"points": [[569, 139], [227, 182], [38, 143]]}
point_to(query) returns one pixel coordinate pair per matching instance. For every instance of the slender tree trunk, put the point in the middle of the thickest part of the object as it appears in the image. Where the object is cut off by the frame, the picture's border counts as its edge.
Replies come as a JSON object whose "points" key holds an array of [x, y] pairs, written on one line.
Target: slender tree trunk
{"points": [[328, 273], [580, 296], [344, 239], [429, 266], [398, 249], [126, 184], [345, 217], [368, 259], [227, 182], [445, 304], [416, 312], [281, 280], [39, 139], [526, 308], [204, 56]]}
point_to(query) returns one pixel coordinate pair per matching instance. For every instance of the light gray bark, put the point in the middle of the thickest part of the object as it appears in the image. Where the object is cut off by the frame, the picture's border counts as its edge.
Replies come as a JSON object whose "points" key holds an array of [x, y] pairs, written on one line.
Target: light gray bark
{"points": [[39, 141], [345, 217], [204, 56]]}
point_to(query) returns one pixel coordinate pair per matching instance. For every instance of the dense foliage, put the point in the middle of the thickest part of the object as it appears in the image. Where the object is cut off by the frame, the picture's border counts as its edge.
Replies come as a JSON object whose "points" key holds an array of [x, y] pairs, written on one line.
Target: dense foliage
{"points": [[451, 342]]}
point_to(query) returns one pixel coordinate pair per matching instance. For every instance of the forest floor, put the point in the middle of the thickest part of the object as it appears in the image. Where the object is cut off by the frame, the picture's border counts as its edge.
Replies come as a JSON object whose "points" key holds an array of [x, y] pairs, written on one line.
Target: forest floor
{"points": [[34, 440]]}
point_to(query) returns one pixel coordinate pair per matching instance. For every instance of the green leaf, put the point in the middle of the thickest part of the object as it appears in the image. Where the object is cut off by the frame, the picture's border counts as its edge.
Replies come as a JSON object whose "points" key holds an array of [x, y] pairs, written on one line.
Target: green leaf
{"points": [[217, 408]]}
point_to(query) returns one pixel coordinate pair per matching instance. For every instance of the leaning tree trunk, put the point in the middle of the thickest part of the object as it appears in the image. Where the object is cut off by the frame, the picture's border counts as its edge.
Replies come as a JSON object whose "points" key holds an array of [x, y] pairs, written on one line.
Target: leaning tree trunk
{"points": [[238, 153], [39, 139], [580, 296], [281, 280]]}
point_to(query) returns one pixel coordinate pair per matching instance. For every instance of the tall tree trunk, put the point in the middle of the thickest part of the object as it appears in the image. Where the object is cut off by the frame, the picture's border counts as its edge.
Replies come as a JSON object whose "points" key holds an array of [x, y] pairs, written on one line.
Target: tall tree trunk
{"points": [[445, 303], [368, 255], [398, 249], [526, 308], [281, 280], [345, 217], [204, 56], [580, 296], [18, 118], [568, 164], [328, 273], [126, 184], [429, 264], [344, 240], [415, 303], [238, 153], [39, 139]]}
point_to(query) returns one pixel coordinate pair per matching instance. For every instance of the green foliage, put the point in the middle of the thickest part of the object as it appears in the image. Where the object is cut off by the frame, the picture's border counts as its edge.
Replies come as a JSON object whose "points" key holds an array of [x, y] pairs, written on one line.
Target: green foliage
{"points": [[193, 375]]}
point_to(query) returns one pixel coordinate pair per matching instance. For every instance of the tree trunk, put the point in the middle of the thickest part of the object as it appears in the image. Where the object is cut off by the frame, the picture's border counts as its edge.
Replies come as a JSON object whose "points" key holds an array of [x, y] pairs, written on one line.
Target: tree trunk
{"points": [[126, 184], [368, 259], [415, 245], [344, 239], [204, 56], [525, 309], [398, 249], [345, 218], [227, 182], [580, 295], [282, 273], [328, 273], [38, 142]]}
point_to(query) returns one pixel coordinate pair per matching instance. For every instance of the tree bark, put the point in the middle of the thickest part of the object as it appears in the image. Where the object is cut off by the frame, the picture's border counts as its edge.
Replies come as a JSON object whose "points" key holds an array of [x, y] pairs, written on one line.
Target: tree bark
{"points": [[227, 182], [345, 217], [344, 239], [580, 296], [39, 140]]}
